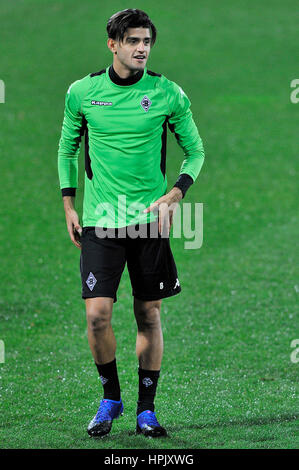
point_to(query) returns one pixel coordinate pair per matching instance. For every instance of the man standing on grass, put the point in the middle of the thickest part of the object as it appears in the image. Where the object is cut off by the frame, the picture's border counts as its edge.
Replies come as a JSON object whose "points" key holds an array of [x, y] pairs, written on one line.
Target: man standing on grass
{"points": [[124, 111]]}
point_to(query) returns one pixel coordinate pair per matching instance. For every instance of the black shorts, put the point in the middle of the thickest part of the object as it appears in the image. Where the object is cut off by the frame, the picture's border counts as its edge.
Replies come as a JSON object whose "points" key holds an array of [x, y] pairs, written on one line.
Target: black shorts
{"points": [[150, 262]]}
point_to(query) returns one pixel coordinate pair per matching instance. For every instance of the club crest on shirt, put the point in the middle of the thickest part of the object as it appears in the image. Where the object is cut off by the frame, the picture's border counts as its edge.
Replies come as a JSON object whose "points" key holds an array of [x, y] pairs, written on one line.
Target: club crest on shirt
{"points": [[146, 103]]}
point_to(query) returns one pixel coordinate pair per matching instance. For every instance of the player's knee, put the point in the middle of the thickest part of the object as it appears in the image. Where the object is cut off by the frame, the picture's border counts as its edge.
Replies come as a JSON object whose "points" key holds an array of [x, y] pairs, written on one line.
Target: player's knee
{"points": [[98, 318], [149, 317]]}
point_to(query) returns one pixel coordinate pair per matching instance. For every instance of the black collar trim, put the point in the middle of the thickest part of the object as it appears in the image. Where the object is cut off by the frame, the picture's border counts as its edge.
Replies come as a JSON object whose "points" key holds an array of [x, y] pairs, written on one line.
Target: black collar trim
{"points": [[124, 81]]}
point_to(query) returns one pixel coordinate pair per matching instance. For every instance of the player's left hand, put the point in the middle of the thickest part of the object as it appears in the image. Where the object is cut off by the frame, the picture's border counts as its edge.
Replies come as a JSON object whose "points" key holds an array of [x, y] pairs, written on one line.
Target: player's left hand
{"points": [[166, 206]]}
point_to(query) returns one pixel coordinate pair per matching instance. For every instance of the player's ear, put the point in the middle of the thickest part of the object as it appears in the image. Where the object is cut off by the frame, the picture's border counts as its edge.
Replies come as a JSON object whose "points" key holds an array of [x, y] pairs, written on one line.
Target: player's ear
{"points": [[111, 45]]}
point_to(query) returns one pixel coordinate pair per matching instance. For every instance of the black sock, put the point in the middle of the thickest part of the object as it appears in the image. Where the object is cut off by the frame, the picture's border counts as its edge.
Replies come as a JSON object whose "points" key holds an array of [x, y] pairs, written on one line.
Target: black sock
{"points": [[109, 379], [148, 380]]}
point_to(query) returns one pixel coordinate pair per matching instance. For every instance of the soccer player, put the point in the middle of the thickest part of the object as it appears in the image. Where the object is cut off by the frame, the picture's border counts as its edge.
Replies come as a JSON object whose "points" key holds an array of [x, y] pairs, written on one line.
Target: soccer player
{"points": [[124, 110]]}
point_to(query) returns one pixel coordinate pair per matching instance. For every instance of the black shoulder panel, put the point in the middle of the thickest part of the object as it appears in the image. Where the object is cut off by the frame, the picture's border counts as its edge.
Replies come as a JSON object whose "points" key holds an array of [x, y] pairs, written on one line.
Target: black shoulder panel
{"points": [[97, 73], [154, 74]]}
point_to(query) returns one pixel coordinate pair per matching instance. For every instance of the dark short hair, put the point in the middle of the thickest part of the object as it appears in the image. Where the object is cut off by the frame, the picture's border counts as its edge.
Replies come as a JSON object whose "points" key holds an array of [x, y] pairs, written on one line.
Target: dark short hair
{"points": [[129, 18]]}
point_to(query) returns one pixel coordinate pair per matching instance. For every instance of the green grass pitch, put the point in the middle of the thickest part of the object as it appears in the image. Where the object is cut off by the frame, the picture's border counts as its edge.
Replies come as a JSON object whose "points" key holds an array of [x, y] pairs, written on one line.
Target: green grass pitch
{"points": [[227, 379]]}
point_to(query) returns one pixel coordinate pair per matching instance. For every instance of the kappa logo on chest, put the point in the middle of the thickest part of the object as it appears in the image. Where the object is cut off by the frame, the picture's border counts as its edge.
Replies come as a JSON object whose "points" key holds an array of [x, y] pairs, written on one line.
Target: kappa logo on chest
{"points": [[101, 103]]}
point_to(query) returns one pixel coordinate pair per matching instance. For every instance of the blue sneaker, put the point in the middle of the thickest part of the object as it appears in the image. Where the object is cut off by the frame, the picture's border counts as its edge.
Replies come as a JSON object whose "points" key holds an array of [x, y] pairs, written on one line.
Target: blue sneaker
{"points": [[148, 425], [101, 424]]}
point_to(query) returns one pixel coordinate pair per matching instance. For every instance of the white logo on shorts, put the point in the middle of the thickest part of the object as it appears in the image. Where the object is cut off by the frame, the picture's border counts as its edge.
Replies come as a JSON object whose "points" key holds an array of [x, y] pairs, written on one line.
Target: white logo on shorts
{"points": [[177, 284], [161, 285], [147, 382], [91, 281]]}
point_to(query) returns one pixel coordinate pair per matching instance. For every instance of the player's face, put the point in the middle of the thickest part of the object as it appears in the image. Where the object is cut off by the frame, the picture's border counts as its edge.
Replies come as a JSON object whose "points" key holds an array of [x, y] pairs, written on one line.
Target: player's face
{"points": [[134, 51]]}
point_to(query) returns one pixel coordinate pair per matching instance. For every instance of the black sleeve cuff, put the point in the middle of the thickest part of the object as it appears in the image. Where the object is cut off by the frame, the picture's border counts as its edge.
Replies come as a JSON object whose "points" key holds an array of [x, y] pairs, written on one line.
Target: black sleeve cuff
{"points": [[68, 192], [183, 182]]}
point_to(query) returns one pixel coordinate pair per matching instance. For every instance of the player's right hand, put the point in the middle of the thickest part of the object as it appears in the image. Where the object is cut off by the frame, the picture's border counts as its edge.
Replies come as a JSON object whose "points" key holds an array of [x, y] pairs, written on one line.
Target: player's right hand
{"points": [[74, 228]]}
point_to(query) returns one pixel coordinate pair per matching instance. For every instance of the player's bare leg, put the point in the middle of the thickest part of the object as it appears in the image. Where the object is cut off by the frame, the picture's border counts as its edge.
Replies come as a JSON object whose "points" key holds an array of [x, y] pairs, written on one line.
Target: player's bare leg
{"points": [[149, 350], [101, 337], [149, 342]]}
